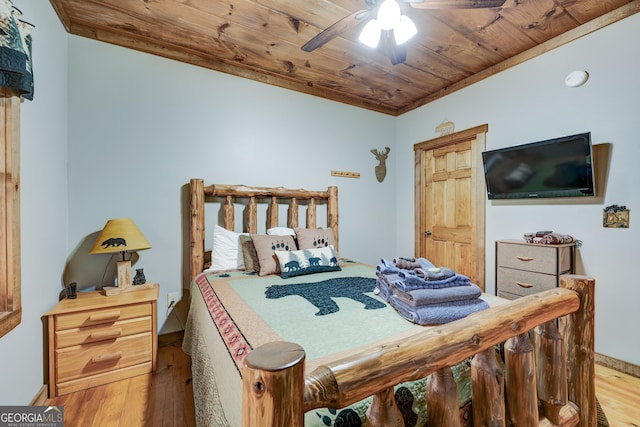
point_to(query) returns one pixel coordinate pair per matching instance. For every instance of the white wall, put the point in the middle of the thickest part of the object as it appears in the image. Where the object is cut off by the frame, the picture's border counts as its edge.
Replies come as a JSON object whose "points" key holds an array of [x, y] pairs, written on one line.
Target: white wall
{"points": [[529, 103], [141, 126], [43, 216]]}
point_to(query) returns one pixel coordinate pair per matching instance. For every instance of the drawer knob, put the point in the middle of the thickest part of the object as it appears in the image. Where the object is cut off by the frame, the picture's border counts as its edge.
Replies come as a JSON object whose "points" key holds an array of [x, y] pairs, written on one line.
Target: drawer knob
{"points": [[101, 317], [103, 335], [524, 258], [109, 357], [524, 285]]}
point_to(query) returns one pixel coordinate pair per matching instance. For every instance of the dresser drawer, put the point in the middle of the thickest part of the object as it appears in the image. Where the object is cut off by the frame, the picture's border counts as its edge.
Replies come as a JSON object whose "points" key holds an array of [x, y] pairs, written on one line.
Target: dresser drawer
{"points": [[105, 315], [102, 332], [523, 283], [539, 258], [89, 359]]}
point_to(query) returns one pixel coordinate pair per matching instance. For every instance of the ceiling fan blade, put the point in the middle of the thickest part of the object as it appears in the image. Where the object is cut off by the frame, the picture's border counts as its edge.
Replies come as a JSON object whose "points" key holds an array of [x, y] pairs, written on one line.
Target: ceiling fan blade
{"points": [[339, 27], [397, 54], [456, 4]]}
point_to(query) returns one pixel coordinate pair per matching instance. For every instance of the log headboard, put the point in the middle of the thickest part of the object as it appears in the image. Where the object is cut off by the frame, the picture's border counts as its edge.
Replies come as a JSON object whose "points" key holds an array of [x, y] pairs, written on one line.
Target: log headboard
{"points": [[272, 196]]}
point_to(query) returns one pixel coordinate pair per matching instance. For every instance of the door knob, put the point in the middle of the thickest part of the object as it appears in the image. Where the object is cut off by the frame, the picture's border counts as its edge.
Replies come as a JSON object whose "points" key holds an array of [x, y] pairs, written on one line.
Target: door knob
{"points": [[427, 233]]}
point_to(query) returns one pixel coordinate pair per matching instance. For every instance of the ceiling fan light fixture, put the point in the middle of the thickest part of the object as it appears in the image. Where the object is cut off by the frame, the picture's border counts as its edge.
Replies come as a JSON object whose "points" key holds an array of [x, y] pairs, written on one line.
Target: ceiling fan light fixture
{"points": [[404, 30], [389, 14], [370, 34]]}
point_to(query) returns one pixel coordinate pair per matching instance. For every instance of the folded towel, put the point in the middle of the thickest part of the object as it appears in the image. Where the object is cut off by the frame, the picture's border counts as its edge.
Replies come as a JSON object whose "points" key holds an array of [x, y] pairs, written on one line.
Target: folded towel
{"points": [[406, 264], [437, 314], [434, 273], [420, 297], [383, 284], [408, 282], [386, 267], [389, 267]]}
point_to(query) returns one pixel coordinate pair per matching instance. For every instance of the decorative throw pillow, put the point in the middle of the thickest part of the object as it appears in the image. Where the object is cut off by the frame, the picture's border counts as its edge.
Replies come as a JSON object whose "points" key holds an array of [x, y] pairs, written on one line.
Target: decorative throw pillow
{"points": [[249, 254], [226, 253], [307, 261], [309, 238], [265, 246]]}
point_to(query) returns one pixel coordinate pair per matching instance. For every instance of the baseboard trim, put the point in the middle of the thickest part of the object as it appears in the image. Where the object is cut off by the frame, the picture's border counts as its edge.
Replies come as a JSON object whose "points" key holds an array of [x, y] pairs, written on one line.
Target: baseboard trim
{"points": [[41, 397], [618, 365]]}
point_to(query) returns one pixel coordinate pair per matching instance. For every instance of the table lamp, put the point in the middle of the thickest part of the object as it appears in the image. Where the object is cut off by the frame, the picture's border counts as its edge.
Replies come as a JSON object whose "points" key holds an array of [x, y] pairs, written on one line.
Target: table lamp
{"points": [[121, 235]]}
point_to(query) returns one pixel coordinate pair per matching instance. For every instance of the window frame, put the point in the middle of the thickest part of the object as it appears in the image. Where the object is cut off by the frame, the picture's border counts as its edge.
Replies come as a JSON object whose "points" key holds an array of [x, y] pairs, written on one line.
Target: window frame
{"points": [[10, 289]]}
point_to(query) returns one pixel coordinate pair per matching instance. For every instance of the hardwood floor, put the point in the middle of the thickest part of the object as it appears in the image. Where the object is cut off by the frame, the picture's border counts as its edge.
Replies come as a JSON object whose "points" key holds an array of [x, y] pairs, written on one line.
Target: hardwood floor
{"points": [[618, 395], [165, 398]]}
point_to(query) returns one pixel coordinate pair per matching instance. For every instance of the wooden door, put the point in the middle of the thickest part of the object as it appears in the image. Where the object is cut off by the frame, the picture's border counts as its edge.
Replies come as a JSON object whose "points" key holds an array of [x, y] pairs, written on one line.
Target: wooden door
{"points": [[450, 200]]}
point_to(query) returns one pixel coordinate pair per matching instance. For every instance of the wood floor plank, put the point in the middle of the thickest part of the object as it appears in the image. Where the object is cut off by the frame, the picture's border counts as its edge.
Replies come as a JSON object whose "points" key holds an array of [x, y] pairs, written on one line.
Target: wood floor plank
{"points": [[618, 395]]}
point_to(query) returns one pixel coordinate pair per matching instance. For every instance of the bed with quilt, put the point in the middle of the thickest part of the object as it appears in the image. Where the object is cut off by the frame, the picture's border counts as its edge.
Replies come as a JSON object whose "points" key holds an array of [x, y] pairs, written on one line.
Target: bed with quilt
{"points": [[283, 331]]}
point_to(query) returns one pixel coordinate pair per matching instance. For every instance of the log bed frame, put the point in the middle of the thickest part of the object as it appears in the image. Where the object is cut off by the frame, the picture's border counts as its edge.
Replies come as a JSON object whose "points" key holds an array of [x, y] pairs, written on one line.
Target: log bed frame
{"points": [[547, 342]]}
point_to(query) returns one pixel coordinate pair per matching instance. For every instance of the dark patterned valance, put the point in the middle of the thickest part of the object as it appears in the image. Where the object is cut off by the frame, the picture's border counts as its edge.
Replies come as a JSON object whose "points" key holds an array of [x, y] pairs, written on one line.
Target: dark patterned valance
{"points": [[16, 70]]}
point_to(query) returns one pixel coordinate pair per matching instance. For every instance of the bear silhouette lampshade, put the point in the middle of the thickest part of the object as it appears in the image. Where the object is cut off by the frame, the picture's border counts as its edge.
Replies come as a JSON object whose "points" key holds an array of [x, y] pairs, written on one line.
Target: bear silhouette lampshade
{"points": [[120, 235]]}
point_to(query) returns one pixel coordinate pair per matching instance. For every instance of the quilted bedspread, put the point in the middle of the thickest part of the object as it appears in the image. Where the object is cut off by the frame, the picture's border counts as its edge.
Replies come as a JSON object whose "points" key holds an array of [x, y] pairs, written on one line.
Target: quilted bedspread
{"points": [[329, 314]]}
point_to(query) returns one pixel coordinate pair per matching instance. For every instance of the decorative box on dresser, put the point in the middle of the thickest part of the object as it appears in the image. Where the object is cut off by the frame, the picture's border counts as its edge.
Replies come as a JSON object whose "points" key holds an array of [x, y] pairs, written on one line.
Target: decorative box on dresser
{"points": [[526, 268], [97, 339]]}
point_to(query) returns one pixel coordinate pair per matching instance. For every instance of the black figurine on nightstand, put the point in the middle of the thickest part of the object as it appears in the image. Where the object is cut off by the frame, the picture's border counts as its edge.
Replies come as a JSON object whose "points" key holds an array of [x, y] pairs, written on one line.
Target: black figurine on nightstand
{"points": [[139, 278]]}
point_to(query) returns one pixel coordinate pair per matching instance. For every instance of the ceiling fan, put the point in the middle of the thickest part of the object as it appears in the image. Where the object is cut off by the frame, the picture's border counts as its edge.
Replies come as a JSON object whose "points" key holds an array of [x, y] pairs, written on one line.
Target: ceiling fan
{"points": [[387, 26]]}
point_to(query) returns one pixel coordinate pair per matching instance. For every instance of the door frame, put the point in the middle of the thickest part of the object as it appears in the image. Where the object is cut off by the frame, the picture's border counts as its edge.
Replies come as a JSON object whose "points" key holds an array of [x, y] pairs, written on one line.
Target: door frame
{"points": [[477, 134]]}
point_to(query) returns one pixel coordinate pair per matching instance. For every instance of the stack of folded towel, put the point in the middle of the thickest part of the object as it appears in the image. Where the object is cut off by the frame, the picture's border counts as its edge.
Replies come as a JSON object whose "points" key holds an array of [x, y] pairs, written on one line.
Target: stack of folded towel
{"points": [[425, 294]]}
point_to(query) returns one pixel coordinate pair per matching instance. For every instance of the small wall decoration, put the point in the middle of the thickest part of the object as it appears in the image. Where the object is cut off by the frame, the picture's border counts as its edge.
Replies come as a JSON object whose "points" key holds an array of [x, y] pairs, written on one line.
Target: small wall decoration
{"points": [[381, 168], [615, 216], [445, 128]]}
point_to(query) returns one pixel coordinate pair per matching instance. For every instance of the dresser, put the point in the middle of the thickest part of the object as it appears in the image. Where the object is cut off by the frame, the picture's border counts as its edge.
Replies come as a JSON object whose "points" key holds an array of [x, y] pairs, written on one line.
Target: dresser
{"points": [[97, 339], [525, 268]]}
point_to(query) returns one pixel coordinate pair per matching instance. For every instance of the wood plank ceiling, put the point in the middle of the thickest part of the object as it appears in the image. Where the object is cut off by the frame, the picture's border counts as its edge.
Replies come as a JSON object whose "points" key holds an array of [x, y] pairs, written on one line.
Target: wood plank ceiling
{"points": [[261, 40]]}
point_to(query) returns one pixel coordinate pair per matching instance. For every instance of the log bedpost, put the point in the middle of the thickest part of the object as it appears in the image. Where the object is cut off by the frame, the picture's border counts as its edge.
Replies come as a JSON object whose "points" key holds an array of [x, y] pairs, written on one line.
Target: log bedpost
{"points": [[228, 214], [273, 212], [384, 411], [487, 389], [273, 386], [196, 226], [311, 214], [577, 329], [522, 397], [332, 212], [550, 370], [252, 215], [292, 215], [442, 399]]}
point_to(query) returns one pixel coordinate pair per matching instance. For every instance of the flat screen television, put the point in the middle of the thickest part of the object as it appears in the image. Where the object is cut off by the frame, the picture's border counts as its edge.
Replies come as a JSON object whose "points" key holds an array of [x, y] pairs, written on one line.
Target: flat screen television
{"points": [[558, 167]]}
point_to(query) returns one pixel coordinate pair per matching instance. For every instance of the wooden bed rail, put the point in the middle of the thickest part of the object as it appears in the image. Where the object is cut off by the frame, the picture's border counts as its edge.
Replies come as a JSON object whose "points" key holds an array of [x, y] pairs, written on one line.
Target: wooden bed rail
{"points": [[555, 372], [275, 196]]}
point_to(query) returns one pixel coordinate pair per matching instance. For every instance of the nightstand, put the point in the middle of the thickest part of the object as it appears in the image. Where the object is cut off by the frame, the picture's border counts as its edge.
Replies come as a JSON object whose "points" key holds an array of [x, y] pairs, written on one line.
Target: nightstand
{"points": [[97, 339]]}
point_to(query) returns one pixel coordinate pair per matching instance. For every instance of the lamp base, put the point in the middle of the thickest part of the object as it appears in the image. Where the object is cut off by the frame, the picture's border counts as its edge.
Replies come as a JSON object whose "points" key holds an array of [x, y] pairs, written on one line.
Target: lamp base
{"points": [[125, 283]]}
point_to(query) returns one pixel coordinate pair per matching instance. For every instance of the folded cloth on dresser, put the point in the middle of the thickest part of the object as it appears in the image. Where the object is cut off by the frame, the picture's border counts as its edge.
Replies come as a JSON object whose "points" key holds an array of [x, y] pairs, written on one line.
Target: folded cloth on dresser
{"points": [[437, 314], [418, 297], [408, 282], [548, 238]]}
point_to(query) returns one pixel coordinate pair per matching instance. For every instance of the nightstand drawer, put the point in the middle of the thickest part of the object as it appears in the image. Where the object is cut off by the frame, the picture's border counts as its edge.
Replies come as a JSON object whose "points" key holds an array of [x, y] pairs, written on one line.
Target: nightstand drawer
{"points": [[89, 359], [105, 315], [523, 283], [542, 259], [102, 332]]}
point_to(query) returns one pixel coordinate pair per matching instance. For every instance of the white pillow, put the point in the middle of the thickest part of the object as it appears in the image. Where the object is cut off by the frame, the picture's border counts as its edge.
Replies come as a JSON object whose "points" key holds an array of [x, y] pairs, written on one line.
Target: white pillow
{"points": [[281, 231], [227, 252]]}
